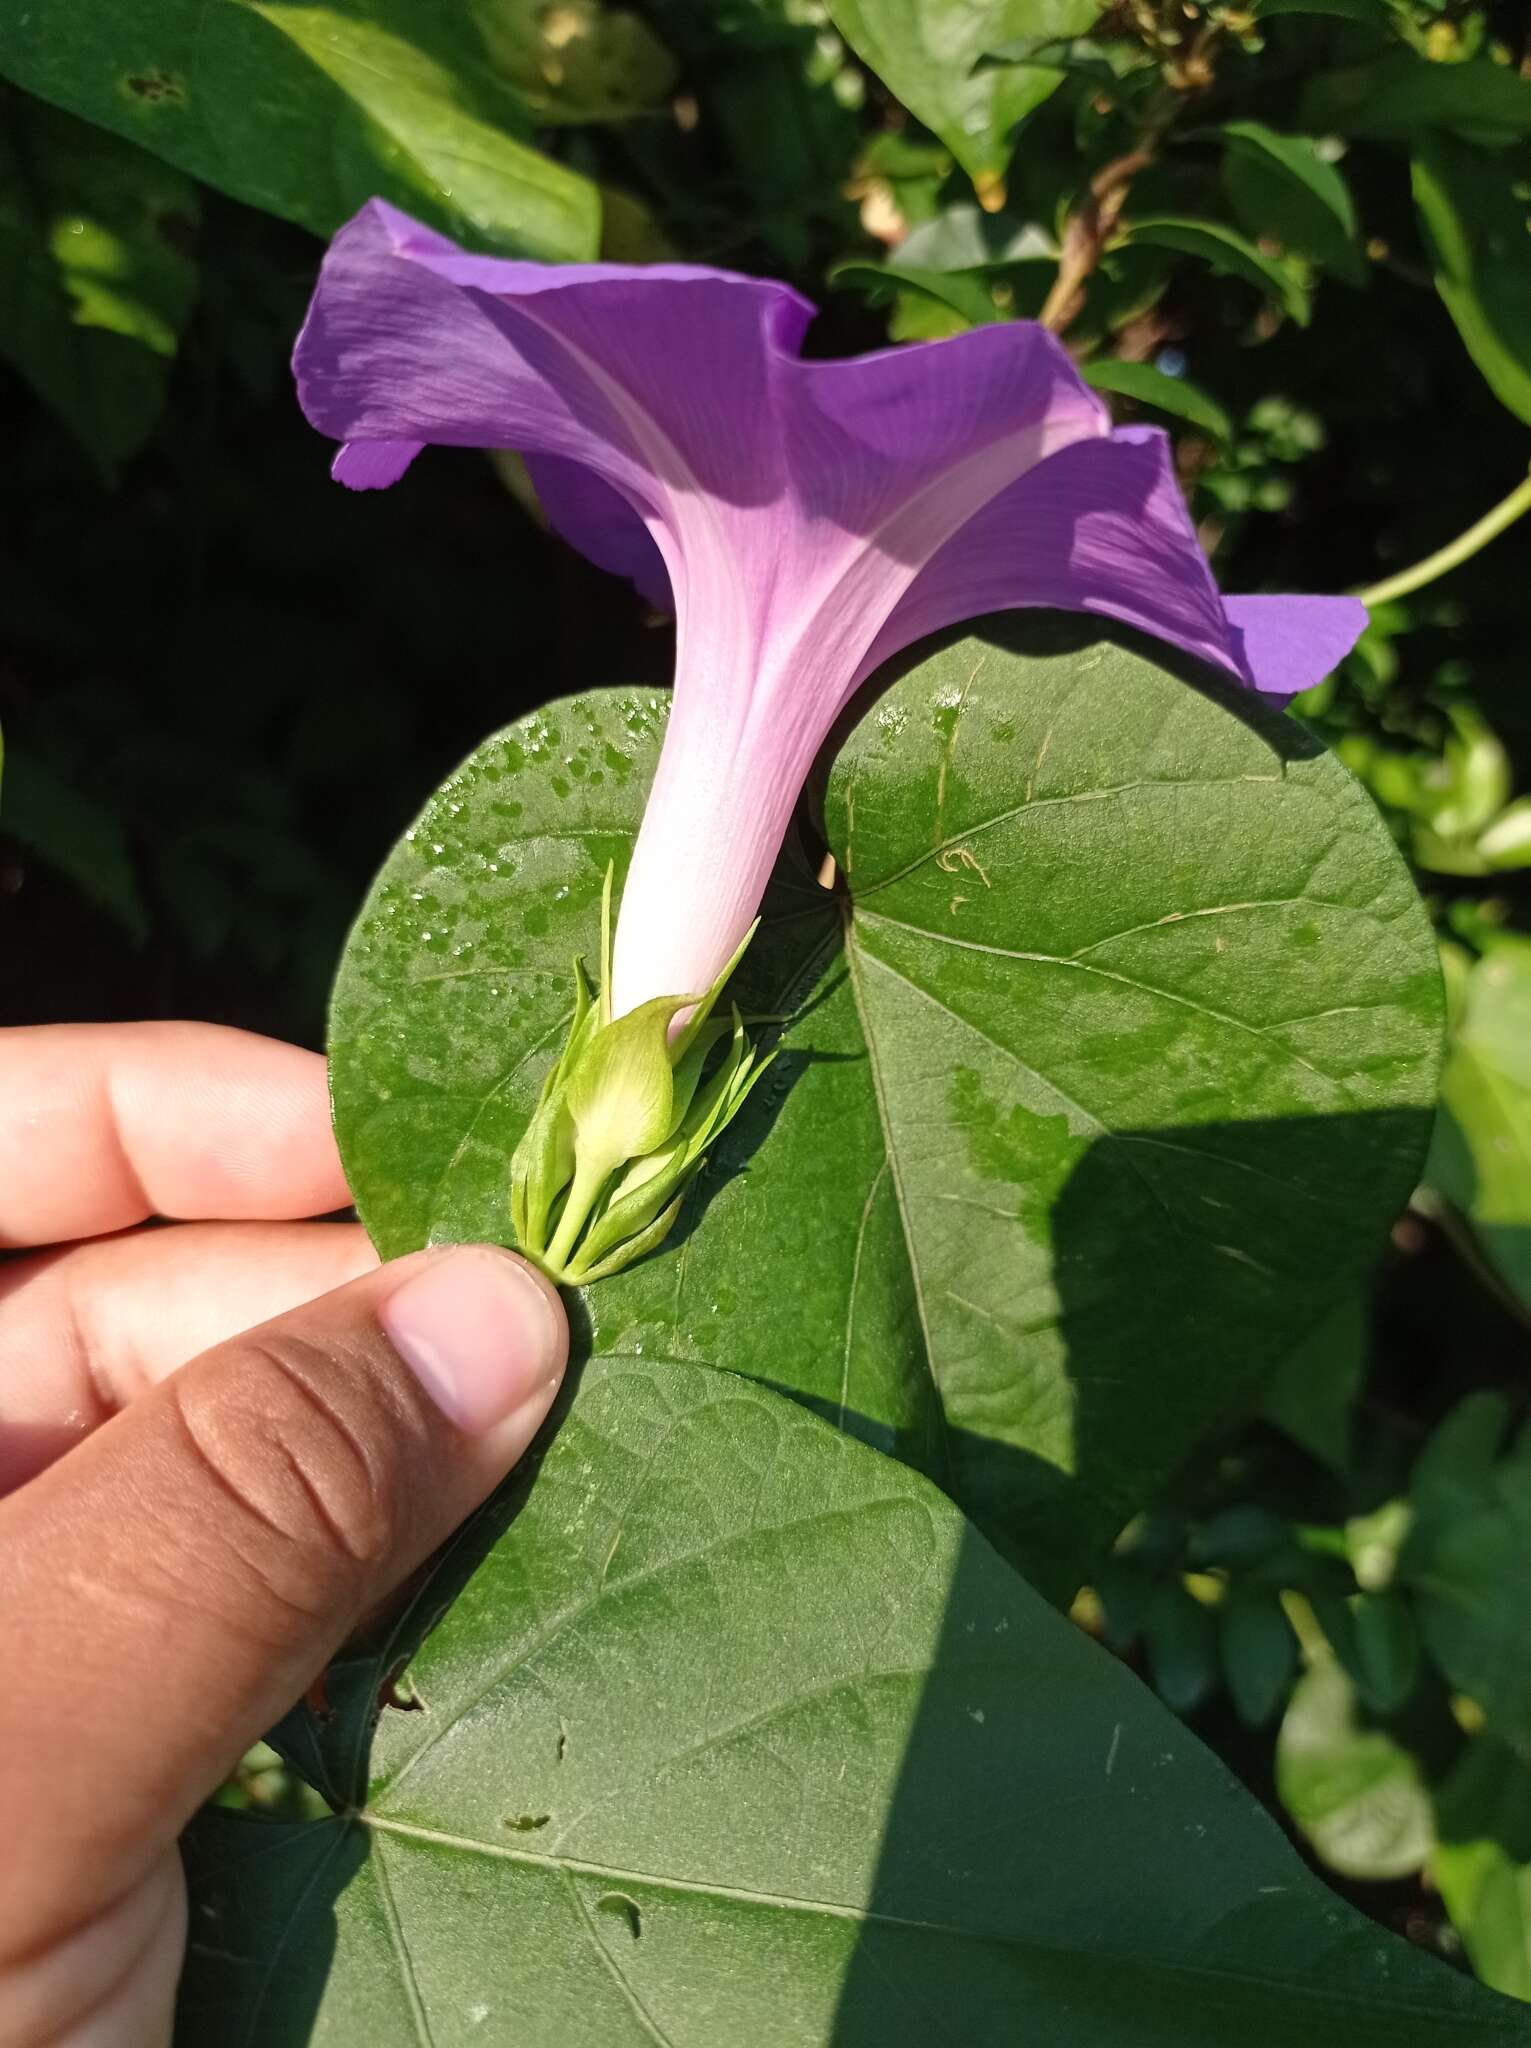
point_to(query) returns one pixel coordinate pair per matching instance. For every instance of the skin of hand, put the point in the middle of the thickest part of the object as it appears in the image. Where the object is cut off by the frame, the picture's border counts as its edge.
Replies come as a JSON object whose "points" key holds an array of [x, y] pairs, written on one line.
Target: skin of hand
{"points": [[210, 1476]]}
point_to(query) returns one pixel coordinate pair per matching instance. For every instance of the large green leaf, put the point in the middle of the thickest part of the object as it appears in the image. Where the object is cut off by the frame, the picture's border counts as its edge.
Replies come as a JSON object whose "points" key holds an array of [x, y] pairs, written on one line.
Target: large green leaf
{"points": [[927, 53], [1106, 1069], [738, 1733], [1281, 188], [308, 111], [1402, 95], [1481, 1158], [1481, 254], [97, 275]]}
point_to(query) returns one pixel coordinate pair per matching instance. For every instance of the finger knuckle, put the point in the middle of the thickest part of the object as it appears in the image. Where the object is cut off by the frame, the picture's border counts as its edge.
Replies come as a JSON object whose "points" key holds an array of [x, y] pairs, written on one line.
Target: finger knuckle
{"points": [[310, 1474]]}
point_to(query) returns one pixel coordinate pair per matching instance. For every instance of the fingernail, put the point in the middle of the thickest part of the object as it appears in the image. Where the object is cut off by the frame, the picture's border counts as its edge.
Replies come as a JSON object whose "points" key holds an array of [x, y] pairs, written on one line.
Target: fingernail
{"points": [[480, 1333]]}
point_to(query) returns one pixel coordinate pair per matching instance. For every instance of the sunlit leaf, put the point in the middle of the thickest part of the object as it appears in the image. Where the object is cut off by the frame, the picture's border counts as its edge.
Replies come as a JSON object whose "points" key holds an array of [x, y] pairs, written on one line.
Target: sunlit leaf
{"points": [[308, 111], [1482, 1862], [1125, 1029], [1353, 1788], [927, 53]]}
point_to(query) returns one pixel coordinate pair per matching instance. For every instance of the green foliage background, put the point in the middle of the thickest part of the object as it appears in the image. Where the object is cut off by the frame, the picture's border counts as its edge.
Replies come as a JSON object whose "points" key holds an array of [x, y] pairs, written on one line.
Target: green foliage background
{"points": [[1295, 233]]}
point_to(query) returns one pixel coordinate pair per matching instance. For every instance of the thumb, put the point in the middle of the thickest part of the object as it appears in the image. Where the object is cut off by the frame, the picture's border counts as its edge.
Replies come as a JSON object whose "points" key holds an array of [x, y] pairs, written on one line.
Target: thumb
{"points": [[175, 1583]]}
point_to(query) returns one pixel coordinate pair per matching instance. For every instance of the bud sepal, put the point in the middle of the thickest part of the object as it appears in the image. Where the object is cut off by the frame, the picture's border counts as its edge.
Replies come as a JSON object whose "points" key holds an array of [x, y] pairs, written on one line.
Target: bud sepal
{"points": [[624, 1122]]}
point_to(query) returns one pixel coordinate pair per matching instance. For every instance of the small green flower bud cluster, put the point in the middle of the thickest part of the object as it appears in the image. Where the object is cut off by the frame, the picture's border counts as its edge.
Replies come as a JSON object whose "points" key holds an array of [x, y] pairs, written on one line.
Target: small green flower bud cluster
{"points": [[625, 1119]]}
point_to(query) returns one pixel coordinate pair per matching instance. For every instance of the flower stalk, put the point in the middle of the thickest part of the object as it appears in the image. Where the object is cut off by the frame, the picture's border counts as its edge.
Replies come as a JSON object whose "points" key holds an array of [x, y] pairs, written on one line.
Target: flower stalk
{"points": [[1455, 552]]}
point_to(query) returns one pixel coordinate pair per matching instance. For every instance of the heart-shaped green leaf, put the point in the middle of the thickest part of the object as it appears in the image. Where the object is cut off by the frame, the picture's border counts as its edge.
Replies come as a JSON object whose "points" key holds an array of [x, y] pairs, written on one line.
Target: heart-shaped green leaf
{"points": [[739, 1733], [1107, 1068]]}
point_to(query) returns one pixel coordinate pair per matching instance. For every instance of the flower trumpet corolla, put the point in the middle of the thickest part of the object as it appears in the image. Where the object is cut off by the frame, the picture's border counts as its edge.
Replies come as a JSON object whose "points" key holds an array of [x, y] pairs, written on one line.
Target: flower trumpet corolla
{"points": [[806, 519]]}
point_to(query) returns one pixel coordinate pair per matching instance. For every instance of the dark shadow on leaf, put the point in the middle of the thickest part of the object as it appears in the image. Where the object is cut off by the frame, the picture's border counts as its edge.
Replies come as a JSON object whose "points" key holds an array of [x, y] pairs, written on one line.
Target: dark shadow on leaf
{"points": [[1045, 1518], [1053, 633], [247, 1939]]}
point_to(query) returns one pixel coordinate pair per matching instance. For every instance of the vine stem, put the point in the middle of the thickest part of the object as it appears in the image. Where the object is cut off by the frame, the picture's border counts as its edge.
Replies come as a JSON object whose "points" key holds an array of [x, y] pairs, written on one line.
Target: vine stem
{"points": [[1462, 549], [1087, 233]]}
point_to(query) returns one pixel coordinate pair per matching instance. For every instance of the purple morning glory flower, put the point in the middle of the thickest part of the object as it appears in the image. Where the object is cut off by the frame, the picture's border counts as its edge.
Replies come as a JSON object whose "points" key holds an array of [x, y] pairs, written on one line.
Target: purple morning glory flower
{"points": [[805, 519]]}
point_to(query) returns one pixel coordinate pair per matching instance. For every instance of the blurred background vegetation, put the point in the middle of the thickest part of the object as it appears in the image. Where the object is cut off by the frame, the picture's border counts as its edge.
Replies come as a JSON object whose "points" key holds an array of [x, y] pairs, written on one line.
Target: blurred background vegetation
{"points": [[1294, 233]]}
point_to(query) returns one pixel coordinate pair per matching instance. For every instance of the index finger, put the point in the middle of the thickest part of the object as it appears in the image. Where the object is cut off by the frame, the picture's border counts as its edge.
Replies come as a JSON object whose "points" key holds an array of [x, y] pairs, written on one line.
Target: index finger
{"points": [[102, 1125]]}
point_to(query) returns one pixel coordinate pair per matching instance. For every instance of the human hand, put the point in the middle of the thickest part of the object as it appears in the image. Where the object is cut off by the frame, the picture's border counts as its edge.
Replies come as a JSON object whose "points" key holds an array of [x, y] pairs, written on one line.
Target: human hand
{"points": [[184, 1545]]}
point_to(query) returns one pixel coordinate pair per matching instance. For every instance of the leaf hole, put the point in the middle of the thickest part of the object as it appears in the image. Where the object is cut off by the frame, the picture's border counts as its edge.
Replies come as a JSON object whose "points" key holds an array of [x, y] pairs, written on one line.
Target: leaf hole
{"points": [[152, 86], [618, 1906], [398, 1692]]}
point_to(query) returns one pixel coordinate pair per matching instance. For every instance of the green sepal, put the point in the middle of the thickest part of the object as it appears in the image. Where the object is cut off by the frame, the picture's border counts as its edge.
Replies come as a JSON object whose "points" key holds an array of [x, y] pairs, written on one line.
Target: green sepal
{"points": [[621, 1090], [693, 1024], [540, 1169], [586, 1023], [649, 1241], [623, 1122], [619, 1231]]}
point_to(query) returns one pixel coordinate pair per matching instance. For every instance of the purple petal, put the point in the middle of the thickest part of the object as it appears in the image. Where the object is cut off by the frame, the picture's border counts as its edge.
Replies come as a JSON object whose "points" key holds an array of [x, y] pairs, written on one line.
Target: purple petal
{"points": [[680, 387], [1287, 644], [373, 465], [808, 518], [601, 524], [650, 377], [1103, 528]]}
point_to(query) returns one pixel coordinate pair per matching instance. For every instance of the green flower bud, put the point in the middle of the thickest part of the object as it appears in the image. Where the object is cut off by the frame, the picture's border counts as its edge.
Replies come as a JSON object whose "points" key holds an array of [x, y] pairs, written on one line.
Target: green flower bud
{"points": [[626, 1115]]}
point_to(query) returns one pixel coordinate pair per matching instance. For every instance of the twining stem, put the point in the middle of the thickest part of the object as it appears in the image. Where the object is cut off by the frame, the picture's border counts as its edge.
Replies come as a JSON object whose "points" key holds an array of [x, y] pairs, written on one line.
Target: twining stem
{"points": [[1088, 230], [1455, 552], [1087, 234]]}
